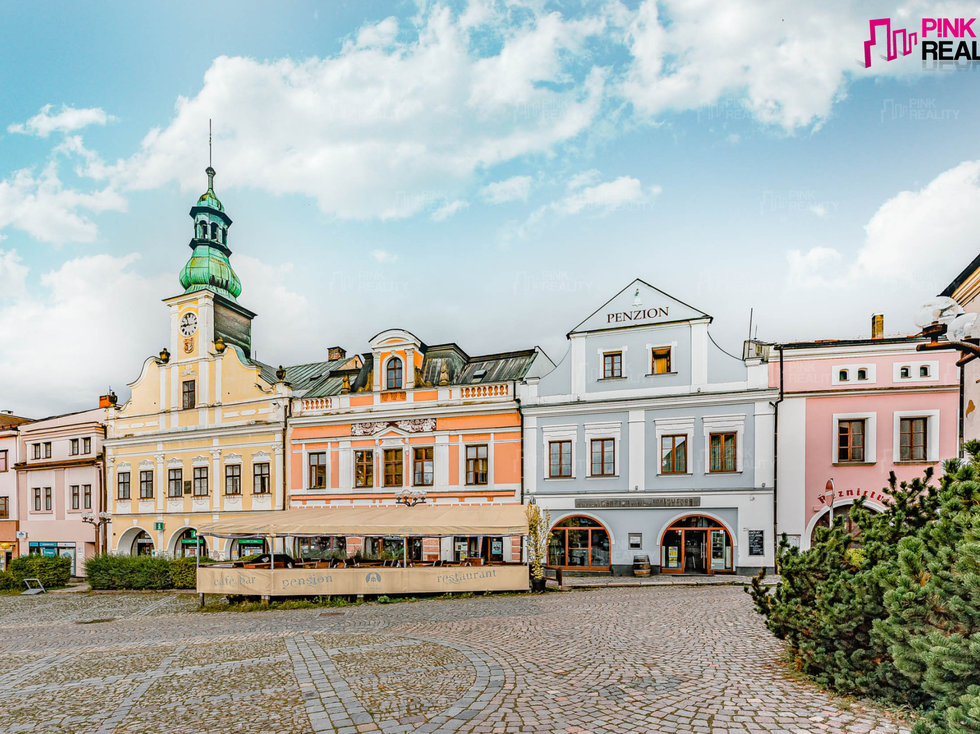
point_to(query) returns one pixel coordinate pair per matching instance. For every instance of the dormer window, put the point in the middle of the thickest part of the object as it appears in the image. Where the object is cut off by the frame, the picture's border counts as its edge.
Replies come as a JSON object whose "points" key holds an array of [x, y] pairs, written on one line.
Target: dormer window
{"points": [[905, 372], [394, 374], [842, 376], [479, 375]]}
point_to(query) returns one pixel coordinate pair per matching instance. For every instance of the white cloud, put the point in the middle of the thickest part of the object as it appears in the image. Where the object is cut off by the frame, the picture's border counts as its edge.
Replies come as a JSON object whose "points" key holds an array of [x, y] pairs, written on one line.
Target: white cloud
{"points": [[607, 196], [817, 267], [383, 256], [448, 209], [48, 211], [13, 275], [393, 124], [515, 188], [68, 119]]}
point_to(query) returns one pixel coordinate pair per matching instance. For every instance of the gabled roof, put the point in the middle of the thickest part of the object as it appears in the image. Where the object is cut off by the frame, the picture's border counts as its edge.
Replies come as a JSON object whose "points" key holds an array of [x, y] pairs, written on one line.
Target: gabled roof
{"points": [[638, 304], [8, 420], [961, 278]]}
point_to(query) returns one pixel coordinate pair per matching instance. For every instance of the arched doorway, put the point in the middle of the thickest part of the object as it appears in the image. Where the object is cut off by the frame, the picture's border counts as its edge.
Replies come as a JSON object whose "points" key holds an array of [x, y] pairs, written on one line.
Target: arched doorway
{"points": [[143, 544], [579, 542], [696, 544], [188, 544], [844, 511]]}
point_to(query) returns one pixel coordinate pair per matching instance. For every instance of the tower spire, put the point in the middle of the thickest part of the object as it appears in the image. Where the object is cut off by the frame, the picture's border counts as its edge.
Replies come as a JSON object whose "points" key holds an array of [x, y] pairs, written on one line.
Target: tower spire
{"points": [[210, 164]]}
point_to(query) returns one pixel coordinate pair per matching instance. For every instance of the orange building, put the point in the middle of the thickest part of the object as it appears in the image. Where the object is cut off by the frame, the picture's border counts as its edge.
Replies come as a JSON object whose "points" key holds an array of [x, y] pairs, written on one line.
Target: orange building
{"points": [[411, 423]]}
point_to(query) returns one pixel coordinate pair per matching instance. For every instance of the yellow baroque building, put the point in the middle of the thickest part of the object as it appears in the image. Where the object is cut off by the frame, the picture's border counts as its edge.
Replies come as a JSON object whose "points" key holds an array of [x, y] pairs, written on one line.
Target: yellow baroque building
{"points": [[202, 433]]}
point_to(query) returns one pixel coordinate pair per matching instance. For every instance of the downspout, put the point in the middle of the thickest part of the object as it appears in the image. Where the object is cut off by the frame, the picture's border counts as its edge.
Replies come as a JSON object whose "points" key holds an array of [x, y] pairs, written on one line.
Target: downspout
{"points": [[960, 427], [520, 415], [103, 497], [775, 455]]}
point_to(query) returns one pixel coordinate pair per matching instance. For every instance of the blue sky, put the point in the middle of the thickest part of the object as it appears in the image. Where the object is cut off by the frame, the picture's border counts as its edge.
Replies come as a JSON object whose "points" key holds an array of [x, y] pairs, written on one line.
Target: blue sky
{"points": [[481, 172]]}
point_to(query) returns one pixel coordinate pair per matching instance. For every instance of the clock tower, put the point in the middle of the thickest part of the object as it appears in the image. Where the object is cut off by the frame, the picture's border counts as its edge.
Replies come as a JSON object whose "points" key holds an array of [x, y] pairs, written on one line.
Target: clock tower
{"points": [[207, 314]]}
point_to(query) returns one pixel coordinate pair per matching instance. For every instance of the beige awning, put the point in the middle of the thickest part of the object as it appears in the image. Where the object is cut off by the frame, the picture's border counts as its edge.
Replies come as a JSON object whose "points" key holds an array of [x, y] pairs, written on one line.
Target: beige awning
{"points": [[425, 520]]}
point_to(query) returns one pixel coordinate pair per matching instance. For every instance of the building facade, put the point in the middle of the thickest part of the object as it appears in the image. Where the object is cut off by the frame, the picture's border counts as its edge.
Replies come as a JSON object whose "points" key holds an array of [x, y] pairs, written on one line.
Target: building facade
{"points": [[410, 419], [649, 440], [202, 433], [851, 412], [965, 290], [60, 484], [9, 506]]}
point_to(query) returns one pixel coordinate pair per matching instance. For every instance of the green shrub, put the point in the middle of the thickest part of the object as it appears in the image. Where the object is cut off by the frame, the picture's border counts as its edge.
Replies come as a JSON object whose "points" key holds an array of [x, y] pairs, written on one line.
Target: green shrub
{"points": [[128, 572], [183, 573], [51, 571], [7, 581]]}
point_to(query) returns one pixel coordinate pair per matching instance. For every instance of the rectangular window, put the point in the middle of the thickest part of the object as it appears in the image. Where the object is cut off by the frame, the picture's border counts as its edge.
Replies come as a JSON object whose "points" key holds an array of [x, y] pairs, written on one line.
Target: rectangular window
{"points": [[477, 465], [76, 496], [912, 436], [4, 508], [422, 466], [394, 468], [187, 394], [233, 479], [37, 499], [73, 447], [722, 455], [146, 484], [87, 496], [363, 469], [660, 363], [559, 459], [3, 460], [673, 454], [86, 445], [47, 499], [612, 364], [36, 449], [260, 478], [318, 469], [200, 481], [175, 480], [603, 457], [47, 449], [122, 485], [850, 440]]}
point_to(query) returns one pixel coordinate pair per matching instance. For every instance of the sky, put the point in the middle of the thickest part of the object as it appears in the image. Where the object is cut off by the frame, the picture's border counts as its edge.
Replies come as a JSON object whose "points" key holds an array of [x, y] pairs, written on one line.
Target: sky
{"points": [[481, 172]]}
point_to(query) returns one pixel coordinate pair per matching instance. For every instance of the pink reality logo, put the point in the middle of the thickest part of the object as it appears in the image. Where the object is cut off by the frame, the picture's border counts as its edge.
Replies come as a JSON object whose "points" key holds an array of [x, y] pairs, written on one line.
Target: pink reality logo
{"points": [[938, 50]]}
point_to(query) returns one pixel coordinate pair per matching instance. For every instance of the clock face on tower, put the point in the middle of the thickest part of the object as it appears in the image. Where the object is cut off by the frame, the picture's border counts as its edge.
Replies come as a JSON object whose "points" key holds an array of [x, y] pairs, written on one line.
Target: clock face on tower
{"points": [[188, 324]]}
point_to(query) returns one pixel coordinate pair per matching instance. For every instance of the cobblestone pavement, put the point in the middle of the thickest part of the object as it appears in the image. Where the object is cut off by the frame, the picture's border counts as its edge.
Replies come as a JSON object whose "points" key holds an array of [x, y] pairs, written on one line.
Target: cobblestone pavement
{"points": [[662, 659]]}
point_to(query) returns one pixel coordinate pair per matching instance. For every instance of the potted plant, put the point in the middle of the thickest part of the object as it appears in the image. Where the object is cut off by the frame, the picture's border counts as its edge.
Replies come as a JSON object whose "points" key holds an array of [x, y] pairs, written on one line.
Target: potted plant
{"points": [[538, 523]]}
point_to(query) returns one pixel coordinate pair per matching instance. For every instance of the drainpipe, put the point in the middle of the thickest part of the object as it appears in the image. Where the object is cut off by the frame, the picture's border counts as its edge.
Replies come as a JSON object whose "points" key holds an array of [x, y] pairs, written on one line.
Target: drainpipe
{"points": [[103, 496], [520, 415], [775, 455], [959, 447]]}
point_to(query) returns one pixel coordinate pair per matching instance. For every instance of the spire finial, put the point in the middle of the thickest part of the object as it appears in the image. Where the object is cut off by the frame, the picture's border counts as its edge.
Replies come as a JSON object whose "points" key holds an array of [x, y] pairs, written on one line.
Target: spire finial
{"points": [[210, 164]]}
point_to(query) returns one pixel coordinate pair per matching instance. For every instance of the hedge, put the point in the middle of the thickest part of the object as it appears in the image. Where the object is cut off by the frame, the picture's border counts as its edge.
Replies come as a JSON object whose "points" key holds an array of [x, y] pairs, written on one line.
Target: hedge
{"points": [[141, 572], [51, 571]]}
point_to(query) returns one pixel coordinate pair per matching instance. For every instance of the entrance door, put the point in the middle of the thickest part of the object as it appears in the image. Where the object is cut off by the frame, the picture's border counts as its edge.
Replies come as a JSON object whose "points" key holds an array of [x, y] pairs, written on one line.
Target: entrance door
{"points": [[694, 551], [696, 544]]}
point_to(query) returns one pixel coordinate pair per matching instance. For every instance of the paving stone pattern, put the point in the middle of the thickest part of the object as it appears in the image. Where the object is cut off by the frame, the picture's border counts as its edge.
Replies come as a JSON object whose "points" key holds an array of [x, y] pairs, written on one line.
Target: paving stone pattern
{"points": [[664, 659]]}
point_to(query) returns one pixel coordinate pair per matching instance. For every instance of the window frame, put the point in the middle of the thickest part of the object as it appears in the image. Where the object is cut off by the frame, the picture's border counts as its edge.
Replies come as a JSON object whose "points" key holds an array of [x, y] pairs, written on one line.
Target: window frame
{"points": [[561, 459], [48, 500], [428, 458], [86, 445], [656, 351], [912, 434], [75, 492], [602, 441], [4, 508], [233, 480], [363, 468], [316, 473], [612, 364], [722, 436], [397, 467], [261, 478], [673, 437], [73, 446], [394, 373], [477, 466], [850, 459], [47, 449], [87, 496], [37, 498], [201, 479], [175, 477], [188, 394], [4, 460], [146, 484], [124, 480]]}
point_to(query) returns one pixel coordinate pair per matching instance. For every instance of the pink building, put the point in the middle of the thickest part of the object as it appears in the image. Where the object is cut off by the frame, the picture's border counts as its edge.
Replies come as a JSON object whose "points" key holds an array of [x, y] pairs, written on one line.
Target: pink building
{"points": [[8, 486], [60, 487], [851, 411]]}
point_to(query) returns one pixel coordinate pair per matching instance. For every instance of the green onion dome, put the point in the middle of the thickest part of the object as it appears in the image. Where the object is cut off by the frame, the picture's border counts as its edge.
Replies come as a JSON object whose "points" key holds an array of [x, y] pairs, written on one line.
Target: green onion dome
{"points": [[209, 267]]}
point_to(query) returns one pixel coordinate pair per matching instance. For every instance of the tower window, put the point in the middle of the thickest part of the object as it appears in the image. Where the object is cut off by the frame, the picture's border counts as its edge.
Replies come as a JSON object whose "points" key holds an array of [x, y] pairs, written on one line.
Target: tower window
{"points": [[203, 233], [214, 231]]}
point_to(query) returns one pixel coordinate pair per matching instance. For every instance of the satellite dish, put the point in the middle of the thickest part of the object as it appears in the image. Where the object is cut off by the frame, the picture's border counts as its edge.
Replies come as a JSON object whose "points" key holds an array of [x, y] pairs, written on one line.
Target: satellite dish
{"points": [[939, 310], [963, 327]]}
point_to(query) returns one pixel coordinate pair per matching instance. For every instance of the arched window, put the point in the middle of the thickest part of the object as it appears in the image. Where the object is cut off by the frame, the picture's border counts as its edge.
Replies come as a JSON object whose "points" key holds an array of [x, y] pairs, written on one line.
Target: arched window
{"points": [[142, 544], [203, 230], [696, 544], [578, 542], [214, 231], [189, 544], [393, 374]]}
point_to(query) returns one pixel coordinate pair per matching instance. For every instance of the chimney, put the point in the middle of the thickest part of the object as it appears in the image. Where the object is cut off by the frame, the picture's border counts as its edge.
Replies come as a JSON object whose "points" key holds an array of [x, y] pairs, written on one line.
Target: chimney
{"points": [[877, 326], [107, 401], [336, 353]]}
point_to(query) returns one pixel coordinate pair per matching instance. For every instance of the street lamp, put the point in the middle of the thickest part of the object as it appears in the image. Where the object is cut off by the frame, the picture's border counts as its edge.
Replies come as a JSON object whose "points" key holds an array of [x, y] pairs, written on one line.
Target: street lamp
{"points": [[410, 496], [829, 494], [98, 519]]}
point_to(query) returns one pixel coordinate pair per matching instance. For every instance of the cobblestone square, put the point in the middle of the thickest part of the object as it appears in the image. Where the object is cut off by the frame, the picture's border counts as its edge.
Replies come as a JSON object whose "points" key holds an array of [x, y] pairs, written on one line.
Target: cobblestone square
{"points": [[654, 659]]}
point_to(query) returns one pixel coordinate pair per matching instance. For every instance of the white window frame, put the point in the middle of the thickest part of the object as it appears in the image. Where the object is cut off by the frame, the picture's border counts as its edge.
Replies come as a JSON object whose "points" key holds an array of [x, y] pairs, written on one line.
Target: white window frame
{"points": [[602, 363], [557, 433], [672, 346], [676, 427], [852, 371], [932, 364], [932, 434], [870, 437], [603, 430], [724, 424]]}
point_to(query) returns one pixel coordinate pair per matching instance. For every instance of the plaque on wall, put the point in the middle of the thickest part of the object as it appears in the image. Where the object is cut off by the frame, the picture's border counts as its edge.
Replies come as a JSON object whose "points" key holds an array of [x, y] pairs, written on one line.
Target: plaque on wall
{"points": [[757, 542], [627, 502]]}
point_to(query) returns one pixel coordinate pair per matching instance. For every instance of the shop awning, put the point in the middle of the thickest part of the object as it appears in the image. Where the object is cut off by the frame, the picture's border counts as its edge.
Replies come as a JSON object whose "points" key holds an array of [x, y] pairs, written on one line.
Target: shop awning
{"points": [[426, 520]]}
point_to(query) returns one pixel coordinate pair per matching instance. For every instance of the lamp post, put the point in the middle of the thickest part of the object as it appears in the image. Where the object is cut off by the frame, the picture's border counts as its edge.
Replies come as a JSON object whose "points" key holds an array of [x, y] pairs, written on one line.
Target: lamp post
{"points": [[99, 520], [410, 496], [829, 494]]}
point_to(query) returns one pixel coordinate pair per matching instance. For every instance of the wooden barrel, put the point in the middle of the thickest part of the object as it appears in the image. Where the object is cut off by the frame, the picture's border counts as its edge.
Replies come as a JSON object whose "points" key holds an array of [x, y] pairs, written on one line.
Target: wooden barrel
{"points": [[641, 565]]}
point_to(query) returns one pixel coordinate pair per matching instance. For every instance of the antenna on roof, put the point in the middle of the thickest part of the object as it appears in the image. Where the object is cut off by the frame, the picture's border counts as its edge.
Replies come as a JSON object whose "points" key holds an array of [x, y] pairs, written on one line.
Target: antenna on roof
{"points": [[751, 314]]}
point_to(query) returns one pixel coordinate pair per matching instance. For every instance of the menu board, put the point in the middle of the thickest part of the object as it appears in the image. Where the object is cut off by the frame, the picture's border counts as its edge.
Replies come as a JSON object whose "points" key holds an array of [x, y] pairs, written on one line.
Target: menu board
{"points": [[757, 542]]}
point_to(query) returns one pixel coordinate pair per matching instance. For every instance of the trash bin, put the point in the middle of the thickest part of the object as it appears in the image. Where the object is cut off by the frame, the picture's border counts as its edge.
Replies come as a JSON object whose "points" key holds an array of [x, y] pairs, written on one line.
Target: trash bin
{"points": [[641, 565]]}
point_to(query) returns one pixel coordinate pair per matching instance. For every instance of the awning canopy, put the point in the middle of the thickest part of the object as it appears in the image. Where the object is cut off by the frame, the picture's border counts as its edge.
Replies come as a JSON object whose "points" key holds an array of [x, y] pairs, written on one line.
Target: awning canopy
{"points": [[425, 520]]}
